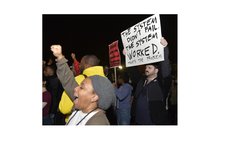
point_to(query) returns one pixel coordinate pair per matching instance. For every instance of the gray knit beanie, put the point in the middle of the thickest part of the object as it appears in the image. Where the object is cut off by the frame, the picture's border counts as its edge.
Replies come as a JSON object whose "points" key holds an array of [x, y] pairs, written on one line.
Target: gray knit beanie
{"points": [[105, 91]]}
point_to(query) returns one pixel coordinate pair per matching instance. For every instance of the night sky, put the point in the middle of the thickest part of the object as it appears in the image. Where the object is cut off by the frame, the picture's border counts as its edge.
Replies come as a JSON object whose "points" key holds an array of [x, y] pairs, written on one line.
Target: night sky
{"points": [[91, 34]]}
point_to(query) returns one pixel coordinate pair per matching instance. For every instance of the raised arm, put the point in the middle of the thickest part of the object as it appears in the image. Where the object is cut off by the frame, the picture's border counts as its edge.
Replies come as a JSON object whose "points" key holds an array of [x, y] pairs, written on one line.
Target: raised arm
{"points": [[64, 73], [165, 65]]}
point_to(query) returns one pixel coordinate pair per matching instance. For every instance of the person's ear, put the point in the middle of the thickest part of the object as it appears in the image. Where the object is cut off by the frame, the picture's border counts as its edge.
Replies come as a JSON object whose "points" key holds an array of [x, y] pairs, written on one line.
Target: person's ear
{"points": [[94, 98], [156, 70]]}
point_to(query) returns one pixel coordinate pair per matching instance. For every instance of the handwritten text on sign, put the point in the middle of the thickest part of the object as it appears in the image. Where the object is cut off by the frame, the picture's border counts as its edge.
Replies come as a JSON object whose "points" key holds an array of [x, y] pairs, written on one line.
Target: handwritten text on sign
{"points": [[142, 42]]}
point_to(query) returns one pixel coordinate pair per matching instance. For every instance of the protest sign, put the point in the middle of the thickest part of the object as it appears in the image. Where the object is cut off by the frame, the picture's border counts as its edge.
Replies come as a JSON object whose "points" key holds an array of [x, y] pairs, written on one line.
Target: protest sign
{"points": [[142, 42], [114, 55]]}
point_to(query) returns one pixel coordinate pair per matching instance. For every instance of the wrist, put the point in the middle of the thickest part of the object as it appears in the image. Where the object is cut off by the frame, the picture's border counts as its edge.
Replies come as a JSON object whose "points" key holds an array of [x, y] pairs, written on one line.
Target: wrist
{"points": [[60, 57]]}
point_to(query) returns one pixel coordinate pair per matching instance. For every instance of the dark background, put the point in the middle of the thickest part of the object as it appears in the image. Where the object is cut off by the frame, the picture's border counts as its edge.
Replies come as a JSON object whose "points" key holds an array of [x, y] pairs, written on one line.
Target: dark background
{"points": [[91, 34]]}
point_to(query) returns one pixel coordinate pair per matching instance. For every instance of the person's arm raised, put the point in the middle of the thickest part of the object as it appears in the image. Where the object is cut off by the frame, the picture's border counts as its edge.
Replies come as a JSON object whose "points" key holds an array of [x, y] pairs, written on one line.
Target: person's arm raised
{"points": [[165, 65], [64, 73]]}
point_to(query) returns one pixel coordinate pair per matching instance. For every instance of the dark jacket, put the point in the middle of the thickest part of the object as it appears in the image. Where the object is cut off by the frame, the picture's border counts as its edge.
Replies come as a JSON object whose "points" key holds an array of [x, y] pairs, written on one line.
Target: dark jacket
{"points": [[55, 88], [155, 99], [156, 92]]}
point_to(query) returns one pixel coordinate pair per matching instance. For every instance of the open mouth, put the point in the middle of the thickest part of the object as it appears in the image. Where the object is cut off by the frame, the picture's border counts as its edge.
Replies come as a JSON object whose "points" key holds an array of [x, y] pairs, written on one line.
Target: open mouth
{"points": [[75, 98]]}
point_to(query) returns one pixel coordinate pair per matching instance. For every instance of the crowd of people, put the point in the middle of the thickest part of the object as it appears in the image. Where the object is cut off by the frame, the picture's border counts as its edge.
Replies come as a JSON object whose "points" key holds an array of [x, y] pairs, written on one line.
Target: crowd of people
{"points": [[85, 94]]}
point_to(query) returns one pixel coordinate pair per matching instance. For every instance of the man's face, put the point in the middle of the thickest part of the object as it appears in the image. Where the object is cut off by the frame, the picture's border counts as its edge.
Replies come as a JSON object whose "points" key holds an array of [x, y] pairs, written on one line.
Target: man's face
{"points": [[84, 94], [150, 70]]}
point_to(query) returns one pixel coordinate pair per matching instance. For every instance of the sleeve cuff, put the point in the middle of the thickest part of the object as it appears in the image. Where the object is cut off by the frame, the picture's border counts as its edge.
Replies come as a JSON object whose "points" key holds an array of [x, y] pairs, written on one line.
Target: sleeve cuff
{"points": [[61, 61]]}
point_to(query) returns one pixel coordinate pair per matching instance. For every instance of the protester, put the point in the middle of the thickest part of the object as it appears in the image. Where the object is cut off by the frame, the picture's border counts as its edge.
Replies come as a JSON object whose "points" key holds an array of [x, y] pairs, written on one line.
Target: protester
{"points": [[89, 66], [92, 98], [150, 92], [54, 86], [123, 94]]}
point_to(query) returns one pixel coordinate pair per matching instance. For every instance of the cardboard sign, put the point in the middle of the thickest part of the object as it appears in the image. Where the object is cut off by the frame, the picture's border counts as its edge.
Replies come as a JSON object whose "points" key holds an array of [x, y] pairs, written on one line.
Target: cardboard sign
{"points": [[114, 55], [142, 42]]}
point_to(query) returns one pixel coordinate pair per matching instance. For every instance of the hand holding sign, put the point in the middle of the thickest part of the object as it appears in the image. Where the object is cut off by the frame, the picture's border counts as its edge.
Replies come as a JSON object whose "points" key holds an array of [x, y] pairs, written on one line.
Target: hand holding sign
{"points": [[164, 42], [124, 51], [57, 51]]}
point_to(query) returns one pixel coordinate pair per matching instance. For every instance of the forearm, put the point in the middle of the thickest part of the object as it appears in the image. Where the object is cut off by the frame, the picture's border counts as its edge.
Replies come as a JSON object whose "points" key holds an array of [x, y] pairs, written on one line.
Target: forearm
{"points": [[165, 65], [66, 77]]}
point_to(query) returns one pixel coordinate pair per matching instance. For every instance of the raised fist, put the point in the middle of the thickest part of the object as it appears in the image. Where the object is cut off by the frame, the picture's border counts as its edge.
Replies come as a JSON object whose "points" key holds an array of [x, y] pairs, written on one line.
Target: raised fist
{"points": [[73, 56], [57, 50]]}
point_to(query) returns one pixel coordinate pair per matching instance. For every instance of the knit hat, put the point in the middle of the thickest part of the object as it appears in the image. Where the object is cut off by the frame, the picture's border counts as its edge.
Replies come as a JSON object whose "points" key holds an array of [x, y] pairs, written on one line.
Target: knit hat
{"points": [[105, 91]]}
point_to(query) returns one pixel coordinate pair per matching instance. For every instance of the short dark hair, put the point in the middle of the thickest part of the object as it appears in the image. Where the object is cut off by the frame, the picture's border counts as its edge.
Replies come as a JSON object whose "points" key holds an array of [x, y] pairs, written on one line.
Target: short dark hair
{"points": [[124, 76], [52, 67], [92, 60]]}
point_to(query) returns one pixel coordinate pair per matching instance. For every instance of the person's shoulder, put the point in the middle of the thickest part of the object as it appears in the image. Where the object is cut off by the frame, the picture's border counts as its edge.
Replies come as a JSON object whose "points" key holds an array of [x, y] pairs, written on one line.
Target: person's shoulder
{"points": [[143, 77], [98, 119], [94, 70], [128, 85]]}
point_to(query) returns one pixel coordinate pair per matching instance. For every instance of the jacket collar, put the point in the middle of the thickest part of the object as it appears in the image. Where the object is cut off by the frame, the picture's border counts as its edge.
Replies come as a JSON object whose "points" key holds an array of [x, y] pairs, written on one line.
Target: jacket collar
{"points": [[95, 70]]}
